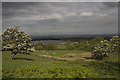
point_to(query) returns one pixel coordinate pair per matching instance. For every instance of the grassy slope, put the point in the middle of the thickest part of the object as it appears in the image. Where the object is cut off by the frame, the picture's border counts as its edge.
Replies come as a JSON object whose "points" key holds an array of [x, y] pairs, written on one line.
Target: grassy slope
{"points": [[102, 69], [23, 60], [58, 52]]}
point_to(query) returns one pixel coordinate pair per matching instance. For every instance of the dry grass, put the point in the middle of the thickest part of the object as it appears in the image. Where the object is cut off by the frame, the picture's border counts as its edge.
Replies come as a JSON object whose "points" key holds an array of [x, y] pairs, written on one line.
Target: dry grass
{"points": [[70, 57]]}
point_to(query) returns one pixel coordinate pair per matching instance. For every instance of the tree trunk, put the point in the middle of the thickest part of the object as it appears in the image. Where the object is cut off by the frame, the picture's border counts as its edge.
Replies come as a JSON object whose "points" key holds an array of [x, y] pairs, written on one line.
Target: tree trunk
{"points": [[13, 55]]}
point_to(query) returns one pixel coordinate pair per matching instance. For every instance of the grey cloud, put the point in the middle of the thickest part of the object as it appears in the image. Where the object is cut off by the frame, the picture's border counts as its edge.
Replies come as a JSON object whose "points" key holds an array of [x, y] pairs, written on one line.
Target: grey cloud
{"points": [[61, 17], [111, 4], [60, 1]]}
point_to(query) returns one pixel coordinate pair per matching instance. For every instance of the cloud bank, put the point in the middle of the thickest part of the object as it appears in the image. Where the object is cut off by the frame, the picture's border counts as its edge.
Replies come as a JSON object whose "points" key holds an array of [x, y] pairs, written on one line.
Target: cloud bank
{"points": [[58, 18]]}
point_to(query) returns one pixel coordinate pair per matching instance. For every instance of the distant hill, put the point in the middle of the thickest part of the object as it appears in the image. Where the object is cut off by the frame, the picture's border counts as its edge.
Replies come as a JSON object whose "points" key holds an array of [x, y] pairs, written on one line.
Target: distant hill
{"points": [[56, 37]]}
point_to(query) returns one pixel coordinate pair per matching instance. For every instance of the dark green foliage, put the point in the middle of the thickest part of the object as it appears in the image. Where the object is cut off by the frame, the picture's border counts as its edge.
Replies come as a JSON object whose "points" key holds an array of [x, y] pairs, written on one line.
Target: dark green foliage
{"points": [[69, 45], [80, 44], [42, 46], [95, 41]]}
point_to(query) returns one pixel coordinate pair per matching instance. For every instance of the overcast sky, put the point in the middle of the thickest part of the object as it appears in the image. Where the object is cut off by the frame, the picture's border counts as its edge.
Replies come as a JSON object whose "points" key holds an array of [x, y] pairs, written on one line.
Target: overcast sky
{"points": [[58, 18]]}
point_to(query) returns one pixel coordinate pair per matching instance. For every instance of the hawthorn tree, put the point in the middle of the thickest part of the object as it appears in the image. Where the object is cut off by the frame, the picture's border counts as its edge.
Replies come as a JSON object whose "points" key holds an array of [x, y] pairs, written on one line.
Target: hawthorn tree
{"points": [[16, 41], [106, 48]]}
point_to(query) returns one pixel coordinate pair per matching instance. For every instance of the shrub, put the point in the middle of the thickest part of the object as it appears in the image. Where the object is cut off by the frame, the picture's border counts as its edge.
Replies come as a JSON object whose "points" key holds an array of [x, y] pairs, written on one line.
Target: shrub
{"points": [[69, 45], [106, 48], [42, 46], [52, 72]]}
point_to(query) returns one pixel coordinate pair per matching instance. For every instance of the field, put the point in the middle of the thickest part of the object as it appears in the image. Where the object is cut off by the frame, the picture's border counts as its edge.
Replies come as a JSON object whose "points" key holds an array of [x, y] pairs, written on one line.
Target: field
{"points": [[38, 66]]}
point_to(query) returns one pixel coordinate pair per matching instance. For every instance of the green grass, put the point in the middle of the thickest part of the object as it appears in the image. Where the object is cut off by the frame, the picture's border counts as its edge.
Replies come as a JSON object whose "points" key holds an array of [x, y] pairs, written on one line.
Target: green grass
{"points": [[25, 66], [58, 52], [113, 58], [24, 60]]}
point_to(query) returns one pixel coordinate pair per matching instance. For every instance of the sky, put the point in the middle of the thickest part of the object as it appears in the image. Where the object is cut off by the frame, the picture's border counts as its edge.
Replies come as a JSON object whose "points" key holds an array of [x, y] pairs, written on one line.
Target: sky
{"points": [[60, 18], [60, 0]]}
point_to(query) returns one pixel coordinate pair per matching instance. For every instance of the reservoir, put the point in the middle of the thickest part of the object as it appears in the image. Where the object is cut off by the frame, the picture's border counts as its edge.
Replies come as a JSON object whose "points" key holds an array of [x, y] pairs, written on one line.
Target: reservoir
{"points": [[49, 41]]}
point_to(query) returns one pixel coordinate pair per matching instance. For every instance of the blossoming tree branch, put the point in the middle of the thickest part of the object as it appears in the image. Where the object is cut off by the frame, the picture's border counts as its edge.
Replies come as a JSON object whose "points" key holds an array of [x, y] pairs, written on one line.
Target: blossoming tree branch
{"points": [[16, 41]]}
